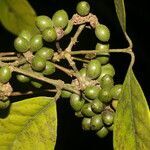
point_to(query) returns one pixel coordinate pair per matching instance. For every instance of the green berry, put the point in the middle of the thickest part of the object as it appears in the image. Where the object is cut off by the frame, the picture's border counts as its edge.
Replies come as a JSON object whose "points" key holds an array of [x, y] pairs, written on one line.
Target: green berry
{"points": [[107, 81], [36, 43], [96, 122], [104, 95], [60, 18], [91, 92], [102, 47], [102, 132], [93, 69], [38, 63], [21, 44], [68, 28], [25, 34], [5, 74], [83, 72], [65, 94], [4, 104], [83, 8], [110, 128], [49, 69], [36, 84], [116, 91], [76, 102], [108, 117], [86, 124], [43, 22], [87, 110], [114, 103], [102, 33], [23, 78], [78, 114], [106, 69], [97, 106], [49, 35], [45, 52]]}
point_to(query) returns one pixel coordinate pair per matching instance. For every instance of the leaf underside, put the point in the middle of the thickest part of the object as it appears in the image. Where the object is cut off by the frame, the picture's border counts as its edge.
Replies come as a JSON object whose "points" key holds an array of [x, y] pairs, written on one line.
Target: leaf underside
{"points": [[132, 120], [17, 15], [120, 10], [30, 125]]}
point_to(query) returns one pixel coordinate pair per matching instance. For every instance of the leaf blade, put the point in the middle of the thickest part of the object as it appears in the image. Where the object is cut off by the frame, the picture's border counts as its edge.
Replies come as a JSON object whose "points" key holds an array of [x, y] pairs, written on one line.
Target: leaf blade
{"points": [[16, 15], [31, 124], [120, 10], [132, 120]]}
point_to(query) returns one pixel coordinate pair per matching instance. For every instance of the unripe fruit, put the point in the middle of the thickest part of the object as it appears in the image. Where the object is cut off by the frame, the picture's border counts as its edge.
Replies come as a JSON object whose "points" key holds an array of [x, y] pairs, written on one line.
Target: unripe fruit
{"points": [[76, 102], [25, 34], [78, 114], [83, 8], [60, 18], [107, 81], [87, 110], [36, 84], [93, 69], [49, 35], [68, 28], [49, 68], [97, 106], [83, 72], [4, 104], [96, 122], [106, 69], [116, 91], [91, 92], [110, 128], [5, 74], [36, 43], [104, 95], [21, 44], [108, 117], [43, 22], [114, 103], [102, 33], [102, 132], [86, 124], [65, 94], [45, 52], [23, 78], [38, 63]]}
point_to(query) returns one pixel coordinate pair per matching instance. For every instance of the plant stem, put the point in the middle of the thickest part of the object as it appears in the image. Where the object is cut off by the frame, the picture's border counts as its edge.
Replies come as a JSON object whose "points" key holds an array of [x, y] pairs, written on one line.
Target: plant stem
{"points": [[7, 54], [79, 59], [8, 58]]}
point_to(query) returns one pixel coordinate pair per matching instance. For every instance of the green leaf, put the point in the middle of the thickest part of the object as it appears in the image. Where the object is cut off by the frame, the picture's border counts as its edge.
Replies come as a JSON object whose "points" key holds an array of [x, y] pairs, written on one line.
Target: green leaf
{"points": [[120, 10], [132, 120], [16, 15], [30, 125]]}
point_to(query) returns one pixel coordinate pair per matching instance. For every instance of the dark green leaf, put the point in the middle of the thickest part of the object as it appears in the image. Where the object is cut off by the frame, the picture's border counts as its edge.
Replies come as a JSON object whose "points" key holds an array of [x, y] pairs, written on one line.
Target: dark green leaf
{"points": [[120, 10], [30, 125], [16, 15], [132, 121]]}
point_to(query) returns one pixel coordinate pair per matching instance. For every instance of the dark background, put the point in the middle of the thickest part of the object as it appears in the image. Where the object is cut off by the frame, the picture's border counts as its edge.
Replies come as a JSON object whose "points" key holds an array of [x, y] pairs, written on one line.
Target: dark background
{"points": [[70, 134]]}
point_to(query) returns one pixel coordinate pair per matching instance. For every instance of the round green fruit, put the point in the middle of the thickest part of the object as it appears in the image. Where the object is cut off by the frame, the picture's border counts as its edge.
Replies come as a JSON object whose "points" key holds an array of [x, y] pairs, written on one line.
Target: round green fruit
{"points": [[97, 106], [102, 132], [91, 92], [43, 22], [107, 81], [23, 78], [5, 74], [104, 95], [86, 124], [114, 103], [45, 52], [110, 128], [82, 72], [49, 35], [25, 34], [49, 69], [38, 63], [96, 122], [68, 28], [78, 114], [116, 91], [36, 43], [93, 69], [83, 8], [36, 84], [108, 117], [87, 110], [102, 33], [4, 104], [76, 102], [60, 18], [65, 94], [21, 45]]}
